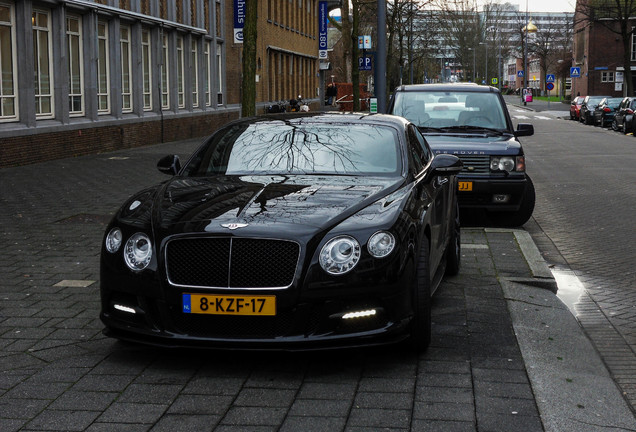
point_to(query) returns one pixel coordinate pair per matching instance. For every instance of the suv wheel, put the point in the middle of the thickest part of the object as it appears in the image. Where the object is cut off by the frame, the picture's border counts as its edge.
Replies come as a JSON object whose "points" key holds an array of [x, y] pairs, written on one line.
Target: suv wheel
{"points": [[614, 125], [521, 216]]}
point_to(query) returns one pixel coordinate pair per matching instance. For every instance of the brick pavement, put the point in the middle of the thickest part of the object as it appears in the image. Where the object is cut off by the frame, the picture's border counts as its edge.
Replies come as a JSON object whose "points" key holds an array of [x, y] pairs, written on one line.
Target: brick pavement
{"points": [[58, 373]]}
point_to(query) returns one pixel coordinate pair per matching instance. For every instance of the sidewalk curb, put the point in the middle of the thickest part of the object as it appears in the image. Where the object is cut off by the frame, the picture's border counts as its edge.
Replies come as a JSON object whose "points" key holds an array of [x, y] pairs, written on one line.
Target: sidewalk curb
{"points": [[573, 388]]}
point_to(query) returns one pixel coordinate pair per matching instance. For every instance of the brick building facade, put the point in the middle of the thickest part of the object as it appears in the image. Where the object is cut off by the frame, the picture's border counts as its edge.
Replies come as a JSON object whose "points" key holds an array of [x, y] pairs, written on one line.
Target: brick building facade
{"points": [[598, 52], [88, 76]]}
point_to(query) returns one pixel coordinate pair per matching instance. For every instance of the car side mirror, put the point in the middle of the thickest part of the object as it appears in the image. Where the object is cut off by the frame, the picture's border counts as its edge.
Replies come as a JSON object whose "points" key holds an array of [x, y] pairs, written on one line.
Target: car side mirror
{"points": [[170, 165], [446, 164], [524, 129]]}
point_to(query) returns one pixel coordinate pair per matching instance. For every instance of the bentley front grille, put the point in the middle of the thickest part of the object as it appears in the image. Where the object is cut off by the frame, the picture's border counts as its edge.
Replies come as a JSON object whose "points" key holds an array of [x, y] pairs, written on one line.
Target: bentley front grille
{"points": [[231, 262]]}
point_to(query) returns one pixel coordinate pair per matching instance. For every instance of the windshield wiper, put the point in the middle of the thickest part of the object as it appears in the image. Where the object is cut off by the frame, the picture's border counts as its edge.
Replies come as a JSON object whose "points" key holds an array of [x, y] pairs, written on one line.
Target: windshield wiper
{"points": [[474, 128]]}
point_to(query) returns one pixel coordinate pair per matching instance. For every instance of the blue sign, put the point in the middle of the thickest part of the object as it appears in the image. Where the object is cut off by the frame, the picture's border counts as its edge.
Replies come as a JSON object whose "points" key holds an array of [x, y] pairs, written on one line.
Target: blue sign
{"points": [[575, 72], [549, 78], [239, 20], [520, 74], [364, 63], [549, 86], [323, 13]]}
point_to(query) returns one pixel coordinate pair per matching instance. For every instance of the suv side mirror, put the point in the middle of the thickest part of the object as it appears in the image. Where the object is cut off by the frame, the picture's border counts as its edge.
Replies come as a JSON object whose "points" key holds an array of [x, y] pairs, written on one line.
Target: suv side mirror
{"points": [[170, 165], [524, 129]]}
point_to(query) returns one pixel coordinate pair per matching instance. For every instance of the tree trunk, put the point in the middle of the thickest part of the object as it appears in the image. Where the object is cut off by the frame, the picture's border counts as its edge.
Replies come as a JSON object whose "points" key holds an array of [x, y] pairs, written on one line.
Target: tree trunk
{"points": [[627, 63], [346, 39], [248, 84]]}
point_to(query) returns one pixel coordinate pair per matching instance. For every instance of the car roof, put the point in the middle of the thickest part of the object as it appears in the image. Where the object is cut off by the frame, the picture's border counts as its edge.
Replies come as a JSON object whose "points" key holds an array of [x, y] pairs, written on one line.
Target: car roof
{"points": [[445, 87]]}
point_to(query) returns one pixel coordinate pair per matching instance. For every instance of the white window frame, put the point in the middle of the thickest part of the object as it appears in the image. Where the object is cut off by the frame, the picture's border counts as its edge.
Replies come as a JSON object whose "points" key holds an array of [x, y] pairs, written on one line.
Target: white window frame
{"points": [[103, 68], [194, 68], [219, 71], [9, 97], [607, 76], [78, 58], [207, 46], [165, 74], [126, 69], [41, 93], [180, 73], [633, 53], [146, 63]]}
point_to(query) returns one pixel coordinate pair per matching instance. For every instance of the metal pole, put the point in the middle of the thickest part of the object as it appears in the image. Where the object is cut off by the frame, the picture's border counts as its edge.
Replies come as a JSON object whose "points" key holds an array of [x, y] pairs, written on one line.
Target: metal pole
{"points": [[380, 65], [525, 58]]}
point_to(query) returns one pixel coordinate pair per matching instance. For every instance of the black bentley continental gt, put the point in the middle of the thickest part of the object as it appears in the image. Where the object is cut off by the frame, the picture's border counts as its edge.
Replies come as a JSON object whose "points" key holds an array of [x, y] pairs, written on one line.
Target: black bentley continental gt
{"points": [[306, 231]]}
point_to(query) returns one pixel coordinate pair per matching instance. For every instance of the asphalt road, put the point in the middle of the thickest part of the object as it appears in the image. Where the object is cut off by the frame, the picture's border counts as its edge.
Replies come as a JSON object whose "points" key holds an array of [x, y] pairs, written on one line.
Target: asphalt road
{"points": [[584, 177], [506, 355]]}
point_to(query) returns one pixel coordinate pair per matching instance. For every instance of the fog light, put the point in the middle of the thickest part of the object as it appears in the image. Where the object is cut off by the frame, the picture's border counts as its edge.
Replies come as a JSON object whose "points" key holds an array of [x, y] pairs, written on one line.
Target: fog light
{"points": [[500, 199], [359, 314], [124, 309]]}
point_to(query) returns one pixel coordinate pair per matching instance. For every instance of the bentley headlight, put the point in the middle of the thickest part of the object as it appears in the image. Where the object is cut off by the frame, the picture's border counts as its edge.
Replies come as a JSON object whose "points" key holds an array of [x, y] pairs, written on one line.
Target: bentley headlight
{"points": [[113, 240], [138, 252], [381, 244], [504, 163], [340, 255]]}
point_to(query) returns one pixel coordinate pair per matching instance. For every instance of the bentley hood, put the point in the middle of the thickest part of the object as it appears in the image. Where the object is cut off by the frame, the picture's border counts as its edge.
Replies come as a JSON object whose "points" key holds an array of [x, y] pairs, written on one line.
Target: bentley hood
{"points": [[216, 204]]}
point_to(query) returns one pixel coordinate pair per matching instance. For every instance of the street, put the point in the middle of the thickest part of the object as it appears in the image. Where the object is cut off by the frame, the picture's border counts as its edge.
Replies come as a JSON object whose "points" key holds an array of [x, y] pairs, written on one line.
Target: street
{"points": [[584, 179], [506, 354]]}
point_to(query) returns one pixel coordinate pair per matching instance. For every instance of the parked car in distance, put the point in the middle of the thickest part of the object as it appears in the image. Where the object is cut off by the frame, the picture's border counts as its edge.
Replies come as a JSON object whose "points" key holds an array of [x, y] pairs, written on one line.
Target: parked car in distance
{"points": [[588, 106], [575, 107], [294, 231], [472, 122], [624, 116], [604, 112]]}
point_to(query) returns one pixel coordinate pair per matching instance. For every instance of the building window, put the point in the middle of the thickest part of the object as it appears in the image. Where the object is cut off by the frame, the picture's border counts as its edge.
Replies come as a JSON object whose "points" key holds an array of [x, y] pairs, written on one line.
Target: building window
{"points": [[8, 97], [165, 76], [607, 76], [207, 46], [103, 69], [633, 54], [146, 62], [180, 73], [219, 71], [43, 64], [75, 70], [194, 70], [126, 69]]}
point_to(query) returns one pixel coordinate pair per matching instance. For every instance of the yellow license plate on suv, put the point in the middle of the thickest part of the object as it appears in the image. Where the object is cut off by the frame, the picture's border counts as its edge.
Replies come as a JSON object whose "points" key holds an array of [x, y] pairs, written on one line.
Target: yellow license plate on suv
{"points": [[229, 304], [465, 186]]}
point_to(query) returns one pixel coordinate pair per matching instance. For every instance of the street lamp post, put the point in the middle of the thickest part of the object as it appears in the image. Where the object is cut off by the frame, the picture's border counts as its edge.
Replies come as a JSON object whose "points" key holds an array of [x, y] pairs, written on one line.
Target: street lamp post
{"points": [[529, 27]]}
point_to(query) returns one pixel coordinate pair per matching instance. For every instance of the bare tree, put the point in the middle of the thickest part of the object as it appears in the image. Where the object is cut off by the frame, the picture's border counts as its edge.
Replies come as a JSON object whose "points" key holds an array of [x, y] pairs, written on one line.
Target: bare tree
{"points": [[617, 17], [248, 98]]}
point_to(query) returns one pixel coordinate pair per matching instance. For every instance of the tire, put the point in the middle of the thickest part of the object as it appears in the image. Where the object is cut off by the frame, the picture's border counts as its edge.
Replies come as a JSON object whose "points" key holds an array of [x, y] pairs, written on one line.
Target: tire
{"points": [[614, 125], [624, 128], [454, 248], [521, 216], [420, 332]]}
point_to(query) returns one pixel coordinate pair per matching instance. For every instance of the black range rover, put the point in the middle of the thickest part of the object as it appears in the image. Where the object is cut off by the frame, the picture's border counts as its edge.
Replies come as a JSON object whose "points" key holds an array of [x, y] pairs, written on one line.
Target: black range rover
{"points": [[473, 123]]}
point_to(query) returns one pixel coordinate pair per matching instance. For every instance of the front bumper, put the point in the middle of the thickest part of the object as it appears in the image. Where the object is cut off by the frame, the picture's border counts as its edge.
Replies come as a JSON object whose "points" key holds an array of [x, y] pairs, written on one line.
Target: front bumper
{"points": [[493, 194]]}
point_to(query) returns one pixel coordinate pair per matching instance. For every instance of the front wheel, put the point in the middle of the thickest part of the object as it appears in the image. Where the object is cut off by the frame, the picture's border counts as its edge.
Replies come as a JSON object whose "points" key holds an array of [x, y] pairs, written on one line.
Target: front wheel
{"points": [[521, 216], [420, 337], [614, 125]]}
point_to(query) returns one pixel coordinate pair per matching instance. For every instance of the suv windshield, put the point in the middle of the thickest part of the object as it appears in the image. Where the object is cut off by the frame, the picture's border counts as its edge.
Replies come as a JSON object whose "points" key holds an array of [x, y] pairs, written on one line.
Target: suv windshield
{"points": [[445, 109]]}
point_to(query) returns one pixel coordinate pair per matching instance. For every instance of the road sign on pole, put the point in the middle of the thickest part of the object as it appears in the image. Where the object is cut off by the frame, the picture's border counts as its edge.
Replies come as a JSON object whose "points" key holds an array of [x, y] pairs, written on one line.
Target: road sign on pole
{"points": [[575, 72], [549, 78], [520, 74], [549, 86]]}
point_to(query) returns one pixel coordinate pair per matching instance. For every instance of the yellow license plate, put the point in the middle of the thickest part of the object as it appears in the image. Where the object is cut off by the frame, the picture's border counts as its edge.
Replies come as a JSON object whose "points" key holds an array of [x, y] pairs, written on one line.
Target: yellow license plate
{"points": [[229, 304], [465, 186]]}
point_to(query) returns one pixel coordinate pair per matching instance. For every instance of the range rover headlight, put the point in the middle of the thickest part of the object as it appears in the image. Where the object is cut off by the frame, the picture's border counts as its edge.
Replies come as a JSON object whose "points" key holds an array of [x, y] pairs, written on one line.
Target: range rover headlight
{"points": [[113, 240], [339, 255], [138, 252], [381, 244], [504, 163]]}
